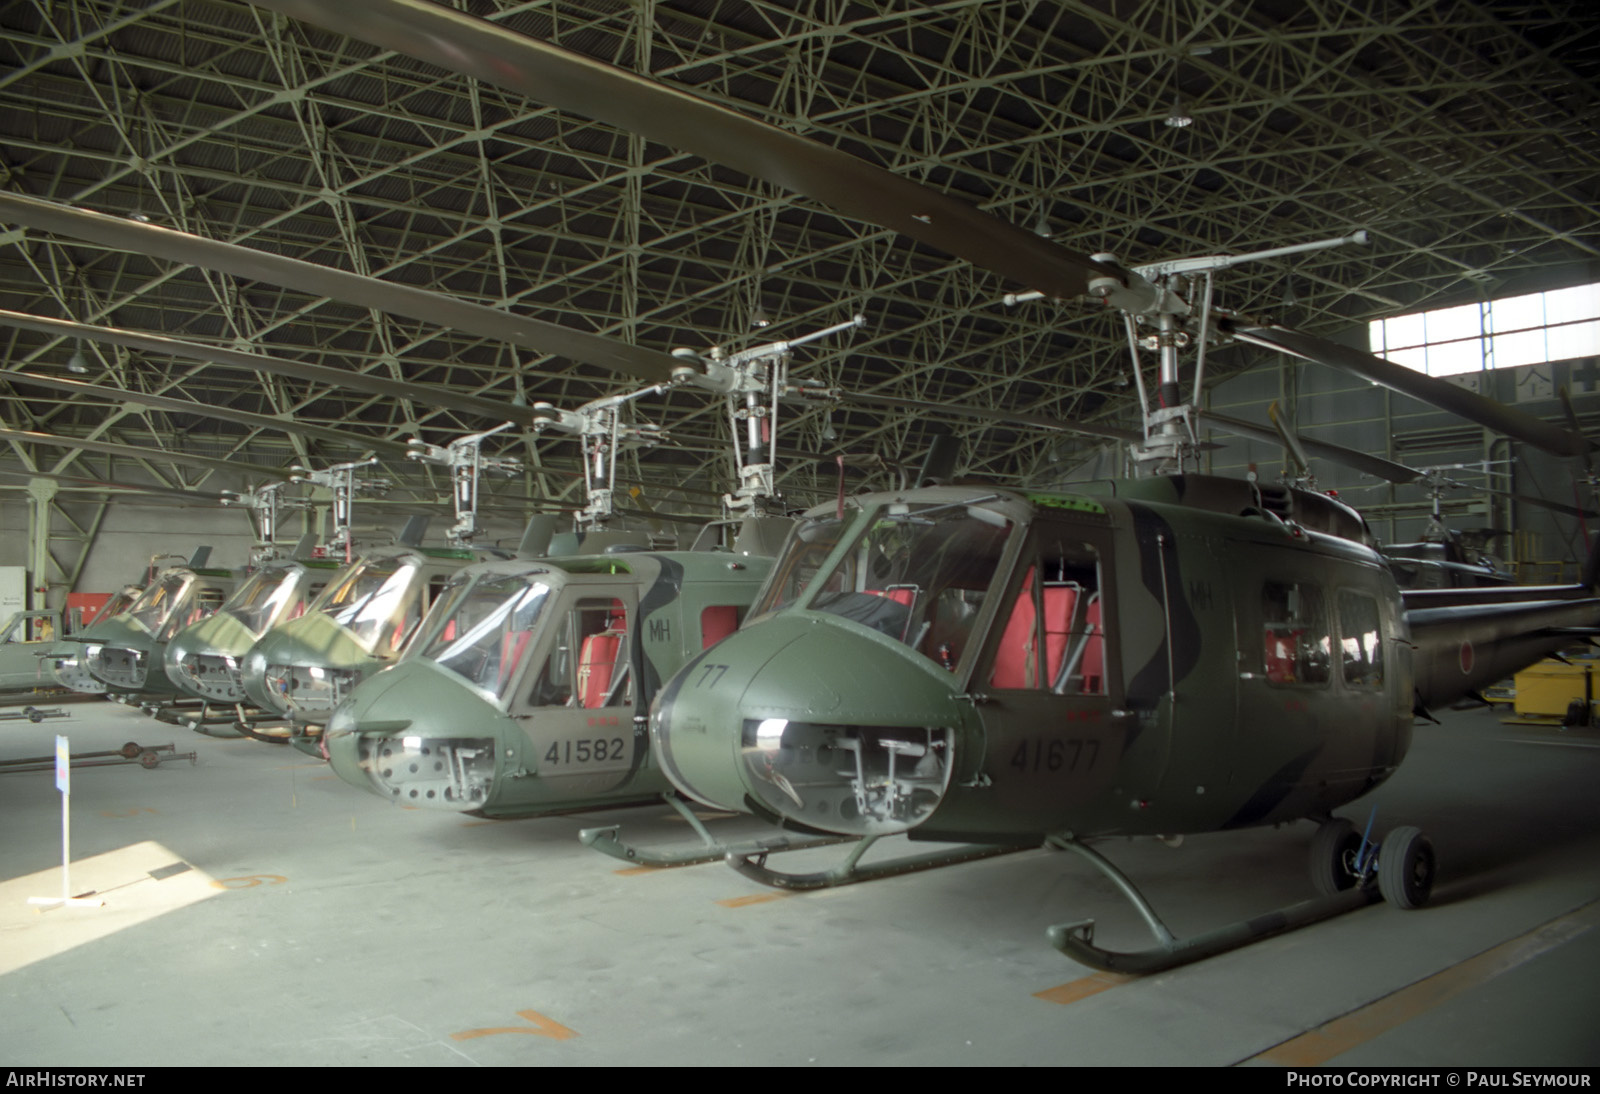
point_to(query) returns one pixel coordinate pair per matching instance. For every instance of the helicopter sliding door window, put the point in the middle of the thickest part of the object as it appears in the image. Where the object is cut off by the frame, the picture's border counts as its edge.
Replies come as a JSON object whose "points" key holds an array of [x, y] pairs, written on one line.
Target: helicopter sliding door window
{"points": [[1053, 636], [1296, 645], [1360, 644]]}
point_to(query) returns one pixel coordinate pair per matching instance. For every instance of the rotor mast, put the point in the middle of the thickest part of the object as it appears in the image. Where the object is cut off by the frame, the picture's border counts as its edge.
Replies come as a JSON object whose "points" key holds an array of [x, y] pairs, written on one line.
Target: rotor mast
{"points": [[464, 457], [599, 427], [755, 382], [1174, 297]]}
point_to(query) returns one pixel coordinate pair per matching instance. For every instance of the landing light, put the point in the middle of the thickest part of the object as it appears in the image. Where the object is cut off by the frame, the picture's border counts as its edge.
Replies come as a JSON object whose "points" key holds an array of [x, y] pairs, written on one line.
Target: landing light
{"points": [[769, 734]]}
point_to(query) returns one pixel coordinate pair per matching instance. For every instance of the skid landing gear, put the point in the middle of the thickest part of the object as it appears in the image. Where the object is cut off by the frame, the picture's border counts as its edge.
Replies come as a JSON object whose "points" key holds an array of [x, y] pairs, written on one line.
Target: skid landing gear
{"points": [[607, 842], [849, 872], [1348, 872]]}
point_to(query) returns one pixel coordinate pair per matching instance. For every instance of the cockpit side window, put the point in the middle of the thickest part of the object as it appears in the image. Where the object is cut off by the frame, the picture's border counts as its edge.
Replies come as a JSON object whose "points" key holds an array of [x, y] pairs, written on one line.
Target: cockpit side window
{"points": [[1052, 636], [487, 632], [803, 555], [920, 576]]}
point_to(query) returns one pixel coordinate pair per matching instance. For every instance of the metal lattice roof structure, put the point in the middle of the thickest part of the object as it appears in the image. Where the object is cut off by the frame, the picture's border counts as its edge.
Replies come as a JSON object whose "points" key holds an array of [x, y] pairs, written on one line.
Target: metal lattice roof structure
{"points": [[1461, 135]]}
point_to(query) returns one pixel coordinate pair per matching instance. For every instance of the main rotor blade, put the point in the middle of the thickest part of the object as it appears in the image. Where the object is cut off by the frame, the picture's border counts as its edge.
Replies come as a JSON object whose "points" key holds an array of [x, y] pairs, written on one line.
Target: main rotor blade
{"points": [[432, 395], [189, 406], [111, 448], [1038, 421], [207, 496], [1457, 400], [371, 292], [1364, 462], [680, 119]]}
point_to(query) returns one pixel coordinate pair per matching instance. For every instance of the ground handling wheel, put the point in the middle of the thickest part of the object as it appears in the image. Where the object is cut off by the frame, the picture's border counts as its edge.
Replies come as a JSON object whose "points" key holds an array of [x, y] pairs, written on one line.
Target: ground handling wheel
{"points": [[131, 750], [1333, 857], [1406, 867], [149, 759]]}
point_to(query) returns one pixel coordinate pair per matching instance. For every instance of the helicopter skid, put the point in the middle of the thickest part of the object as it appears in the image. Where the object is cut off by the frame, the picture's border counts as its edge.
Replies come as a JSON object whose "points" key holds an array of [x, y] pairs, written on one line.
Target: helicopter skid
{"points": [[32, 714], [1076, 939], [753, 865], [606, 841]]}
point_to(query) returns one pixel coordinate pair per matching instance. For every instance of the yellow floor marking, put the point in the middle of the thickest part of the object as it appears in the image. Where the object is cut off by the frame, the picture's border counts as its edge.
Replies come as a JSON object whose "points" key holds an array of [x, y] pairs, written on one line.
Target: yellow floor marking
{"points": [[250, 881], [1082, 989], [542, 1027], [1359, 1026], [756, 898], [630, 871]]}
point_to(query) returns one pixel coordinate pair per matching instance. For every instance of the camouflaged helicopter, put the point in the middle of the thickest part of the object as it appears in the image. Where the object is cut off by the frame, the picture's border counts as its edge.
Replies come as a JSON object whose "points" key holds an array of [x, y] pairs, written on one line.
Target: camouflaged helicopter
{"points": [[527, 690], [913, 755], [369, 614], [1166, 654]]}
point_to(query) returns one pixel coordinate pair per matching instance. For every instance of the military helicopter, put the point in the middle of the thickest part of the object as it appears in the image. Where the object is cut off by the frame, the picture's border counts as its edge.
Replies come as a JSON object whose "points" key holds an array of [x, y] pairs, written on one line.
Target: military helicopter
{"points": [[205, 658], [24, 640], [1166, 654], [127, 652], [136, 658], [527, 690], [64, 659], [367, 614]]}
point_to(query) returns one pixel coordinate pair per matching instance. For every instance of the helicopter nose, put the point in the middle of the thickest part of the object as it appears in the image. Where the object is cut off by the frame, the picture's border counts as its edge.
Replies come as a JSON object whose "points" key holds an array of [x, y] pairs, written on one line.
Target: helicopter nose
{"points": [[121, 659], [410, 736], [204, 659], [823, 724]]}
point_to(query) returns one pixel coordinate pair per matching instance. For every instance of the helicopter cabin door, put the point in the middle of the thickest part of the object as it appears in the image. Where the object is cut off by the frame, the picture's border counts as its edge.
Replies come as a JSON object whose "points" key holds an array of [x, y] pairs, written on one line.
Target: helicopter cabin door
{"points": [[1051, 682], [578, 713], [1319, 707]]}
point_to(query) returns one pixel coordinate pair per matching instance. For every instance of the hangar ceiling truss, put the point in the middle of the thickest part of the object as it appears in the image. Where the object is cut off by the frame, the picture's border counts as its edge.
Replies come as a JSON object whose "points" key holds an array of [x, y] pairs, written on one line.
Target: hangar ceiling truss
{"points": [[1461, 135]]}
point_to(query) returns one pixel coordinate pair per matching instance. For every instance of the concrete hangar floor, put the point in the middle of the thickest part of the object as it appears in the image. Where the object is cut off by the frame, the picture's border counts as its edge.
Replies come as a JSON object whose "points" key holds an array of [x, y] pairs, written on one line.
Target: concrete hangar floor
{"points": [[315, 924]]}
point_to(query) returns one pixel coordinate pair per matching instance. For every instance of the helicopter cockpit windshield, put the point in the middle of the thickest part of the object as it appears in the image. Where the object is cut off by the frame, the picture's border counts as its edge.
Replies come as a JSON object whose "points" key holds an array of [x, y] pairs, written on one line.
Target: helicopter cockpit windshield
{"points": [[155, 605], [262, 597], [918, 574], [378, 602], [483, 629]]}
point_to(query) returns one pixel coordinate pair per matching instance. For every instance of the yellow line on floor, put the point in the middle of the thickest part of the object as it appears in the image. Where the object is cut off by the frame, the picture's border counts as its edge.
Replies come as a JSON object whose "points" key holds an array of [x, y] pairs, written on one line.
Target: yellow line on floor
{"points": [[1082, 989], [757, 898], [1360, 1026]]}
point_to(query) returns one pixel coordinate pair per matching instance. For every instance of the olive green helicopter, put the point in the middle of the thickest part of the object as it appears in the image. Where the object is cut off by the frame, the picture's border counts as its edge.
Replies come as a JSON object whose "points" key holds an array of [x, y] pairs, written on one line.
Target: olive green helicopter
{"points": [[1159, 655], [527, 690], [1164, 654]]}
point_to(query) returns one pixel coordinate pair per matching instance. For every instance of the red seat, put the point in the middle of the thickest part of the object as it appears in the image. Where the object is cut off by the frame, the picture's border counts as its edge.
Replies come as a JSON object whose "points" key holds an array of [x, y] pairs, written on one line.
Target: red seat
{"points": [[511, 649], [1016, 664], [596, 664], [1281, 658]]}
